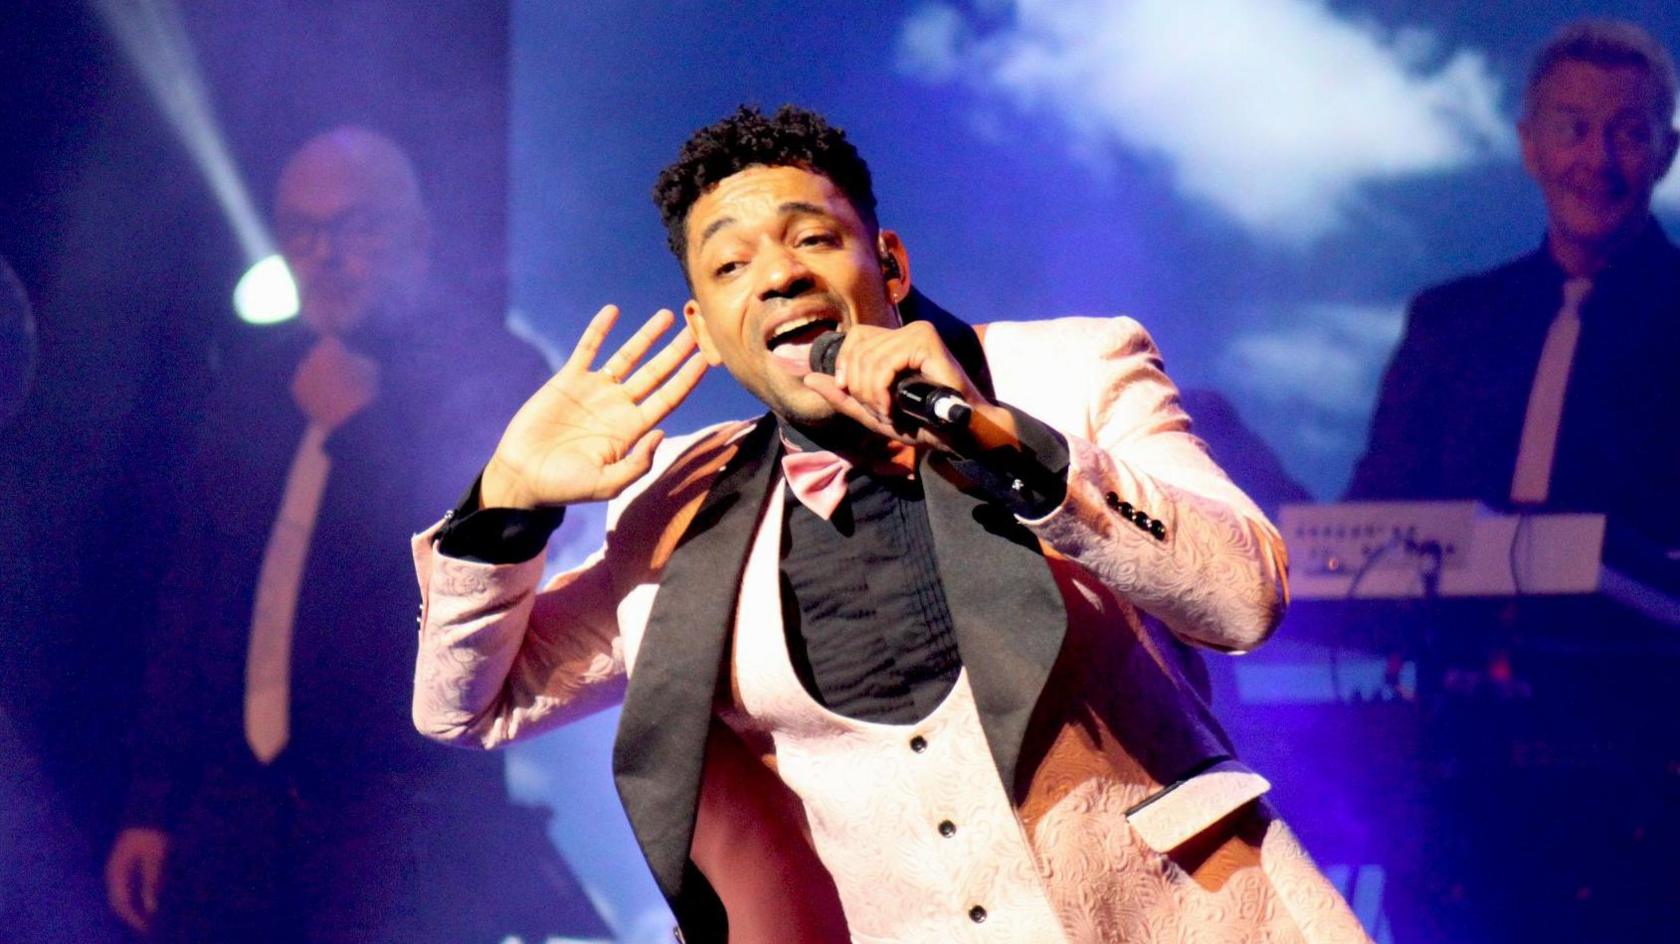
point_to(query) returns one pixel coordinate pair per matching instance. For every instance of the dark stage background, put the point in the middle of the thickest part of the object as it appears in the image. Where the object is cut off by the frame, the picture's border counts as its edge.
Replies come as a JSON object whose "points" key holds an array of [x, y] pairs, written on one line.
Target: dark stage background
{"points": [[130, 262]]}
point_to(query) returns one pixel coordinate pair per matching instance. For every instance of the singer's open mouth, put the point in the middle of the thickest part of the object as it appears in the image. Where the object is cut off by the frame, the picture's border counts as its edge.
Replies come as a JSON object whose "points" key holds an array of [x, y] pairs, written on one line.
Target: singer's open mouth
{"points": [[790, 341]]}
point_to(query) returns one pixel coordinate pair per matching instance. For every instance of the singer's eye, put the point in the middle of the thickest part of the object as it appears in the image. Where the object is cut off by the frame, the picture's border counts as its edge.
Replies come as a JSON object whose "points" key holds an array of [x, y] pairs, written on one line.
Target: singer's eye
{"points": [[727, 268], [819, 238]]}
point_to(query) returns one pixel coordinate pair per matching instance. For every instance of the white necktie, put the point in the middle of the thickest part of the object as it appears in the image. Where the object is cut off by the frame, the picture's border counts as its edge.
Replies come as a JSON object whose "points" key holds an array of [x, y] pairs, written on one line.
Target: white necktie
{"points": [[1532, 480], [268, 662]]}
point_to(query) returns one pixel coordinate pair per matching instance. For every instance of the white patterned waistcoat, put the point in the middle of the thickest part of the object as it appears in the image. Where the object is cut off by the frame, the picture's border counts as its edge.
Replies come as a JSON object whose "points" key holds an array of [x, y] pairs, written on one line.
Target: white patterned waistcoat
{"points": [[909, 819]]}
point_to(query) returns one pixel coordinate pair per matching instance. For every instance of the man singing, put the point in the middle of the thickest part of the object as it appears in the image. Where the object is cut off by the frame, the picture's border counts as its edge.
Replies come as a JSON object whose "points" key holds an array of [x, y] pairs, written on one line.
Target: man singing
{"points": [[880, 682]]}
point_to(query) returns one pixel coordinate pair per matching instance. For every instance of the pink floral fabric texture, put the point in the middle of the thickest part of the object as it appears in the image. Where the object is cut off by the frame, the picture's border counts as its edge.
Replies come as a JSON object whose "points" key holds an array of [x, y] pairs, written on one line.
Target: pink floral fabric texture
{"points": [[499, 660]]}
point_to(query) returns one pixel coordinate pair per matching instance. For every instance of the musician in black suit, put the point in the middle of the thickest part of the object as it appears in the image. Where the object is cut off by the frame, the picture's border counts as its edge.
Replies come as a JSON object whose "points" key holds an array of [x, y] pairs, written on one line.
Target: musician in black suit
{"points": [[1465, 396], [1549, 384], [278, 792]]}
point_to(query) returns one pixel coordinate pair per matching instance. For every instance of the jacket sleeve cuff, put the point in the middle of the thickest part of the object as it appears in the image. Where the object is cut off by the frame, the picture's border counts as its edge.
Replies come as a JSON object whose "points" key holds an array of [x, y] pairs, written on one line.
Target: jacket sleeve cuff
{"points": [[1030, 481], [482, 535]]}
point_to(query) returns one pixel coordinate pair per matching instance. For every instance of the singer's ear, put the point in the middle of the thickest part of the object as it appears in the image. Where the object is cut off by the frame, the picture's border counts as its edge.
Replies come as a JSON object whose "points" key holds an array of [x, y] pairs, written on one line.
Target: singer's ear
{"points": [[895, 265], [697, 324]]}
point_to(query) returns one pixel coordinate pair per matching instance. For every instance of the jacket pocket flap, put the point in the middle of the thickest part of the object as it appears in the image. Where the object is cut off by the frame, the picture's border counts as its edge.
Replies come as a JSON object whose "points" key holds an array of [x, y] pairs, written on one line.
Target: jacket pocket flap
{"points": [[1177, 812]]}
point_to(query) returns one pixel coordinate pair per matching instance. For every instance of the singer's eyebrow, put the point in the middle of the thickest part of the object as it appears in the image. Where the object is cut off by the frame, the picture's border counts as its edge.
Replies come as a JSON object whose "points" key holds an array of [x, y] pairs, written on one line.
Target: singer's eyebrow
{"points": [[713, 227], [791, 208], [801, 208]]}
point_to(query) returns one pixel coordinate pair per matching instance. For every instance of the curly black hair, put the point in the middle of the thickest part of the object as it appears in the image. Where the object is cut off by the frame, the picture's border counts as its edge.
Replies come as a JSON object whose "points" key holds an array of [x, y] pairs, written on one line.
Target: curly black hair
{"points": [[793, 137]]}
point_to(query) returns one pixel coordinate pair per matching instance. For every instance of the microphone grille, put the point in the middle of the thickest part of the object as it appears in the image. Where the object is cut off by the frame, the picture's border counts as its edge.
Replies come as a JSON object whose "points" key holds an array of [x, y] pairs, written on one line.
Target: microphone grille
{"points": [[825, 351]]}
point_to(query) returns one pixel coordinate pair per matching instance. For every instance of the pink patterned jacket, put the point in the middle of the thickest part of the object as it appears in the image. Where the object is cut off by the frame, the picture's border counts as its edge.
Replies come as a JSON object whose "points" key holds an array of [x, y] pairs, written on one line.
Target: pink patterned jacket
{"points": [[1138, 822]]}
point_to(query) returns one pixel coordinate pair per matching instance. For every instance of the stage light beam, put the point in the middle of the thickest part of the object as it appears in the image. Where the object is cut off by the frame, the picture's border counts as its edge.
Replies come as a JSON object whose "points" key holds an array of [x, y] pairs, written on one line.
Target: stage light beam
{"points": [[155, 41]]}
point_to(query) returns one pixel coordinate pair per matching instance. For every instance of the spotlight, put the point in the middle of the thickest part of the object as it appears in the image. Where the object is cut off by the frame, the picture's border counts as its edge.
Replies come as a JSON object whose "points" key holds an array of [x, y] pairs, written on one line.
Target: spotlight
{"points": [[154, 38], [266, 293]]}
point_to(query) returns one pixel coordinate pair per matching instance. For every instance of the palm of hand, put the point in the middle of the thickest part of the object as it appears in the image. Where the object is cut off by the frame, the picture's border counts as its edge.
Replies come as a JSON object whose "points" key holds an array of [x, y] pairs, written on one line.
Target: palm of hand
{"points": [[577, 430], [587, 434]]}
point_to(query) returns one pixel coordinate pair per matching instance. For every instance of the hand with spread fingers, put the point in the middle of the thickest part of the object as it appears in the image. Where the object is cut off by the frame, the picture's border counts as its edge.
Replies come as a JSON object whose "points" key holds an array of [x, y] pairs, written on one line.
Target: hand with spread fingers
{"points": [[588, 433]]}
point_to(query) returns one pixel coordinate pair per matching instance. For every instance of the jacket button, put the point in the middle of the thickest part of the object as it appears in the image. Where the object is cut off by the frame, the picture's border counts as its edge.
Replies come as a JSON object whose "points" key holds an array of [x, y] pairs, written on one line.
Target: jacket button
{"points": [[918, 744], [977, 914], [1159, 530], [1113, 501], [947, 828]]}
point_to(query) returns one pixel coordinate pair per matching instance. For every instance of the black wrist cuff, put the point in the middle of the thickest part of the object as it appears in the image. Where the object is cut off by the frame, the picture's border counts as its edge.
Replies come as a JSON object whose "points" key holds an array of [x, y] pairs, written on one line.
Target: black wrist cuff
{"points": [[1030, 481], [496, 535]]}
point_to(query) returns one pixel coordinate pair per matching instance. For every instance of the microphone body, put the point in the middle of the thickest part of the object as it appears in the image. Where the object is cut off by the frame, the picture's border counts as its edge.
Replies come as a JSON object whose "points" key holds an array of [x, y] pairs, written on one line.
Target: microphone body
{"points": [[924, 403], [1016, 474]]}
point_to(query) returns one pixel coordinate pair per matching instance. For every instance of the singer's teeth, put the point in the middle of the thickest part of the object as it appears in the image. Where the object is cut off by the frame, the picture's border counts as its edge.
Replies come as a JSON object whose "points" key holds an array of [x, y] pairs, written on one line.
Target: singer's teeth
{"points": [[801, 331]]}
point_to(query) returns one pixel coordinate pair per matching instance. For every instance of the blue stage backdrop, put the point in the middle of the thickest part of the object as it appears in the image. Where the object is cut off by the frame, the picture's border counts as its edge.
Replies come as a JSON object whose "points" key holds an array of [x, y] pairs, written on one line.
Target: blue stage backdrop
{"points": [[1263, 183]]}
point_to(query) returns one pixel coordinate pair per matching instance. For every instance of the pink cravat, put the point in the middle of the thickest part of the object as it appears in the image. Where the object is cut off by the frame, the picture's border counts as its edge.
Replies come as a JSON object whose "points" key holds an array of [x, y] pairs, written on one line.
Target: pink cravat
{"points": [[818, 479]]}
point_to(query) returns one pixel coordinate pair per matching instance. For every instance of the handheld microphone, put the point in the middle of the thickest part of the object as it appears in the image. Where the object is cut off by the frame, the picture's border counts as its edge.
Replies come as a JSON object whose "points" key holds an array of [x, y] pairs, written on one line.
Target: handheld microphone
{"points": [[923, 402]]}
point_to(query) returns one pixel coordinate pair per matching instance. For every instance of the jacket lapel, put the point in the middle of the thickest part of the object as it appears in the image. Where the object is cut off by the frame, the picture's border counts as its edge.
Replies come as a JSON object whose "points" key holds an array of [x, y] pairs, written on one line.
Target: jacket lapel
{"points": [[1006, 610], [1009, 617], [659, 753]]}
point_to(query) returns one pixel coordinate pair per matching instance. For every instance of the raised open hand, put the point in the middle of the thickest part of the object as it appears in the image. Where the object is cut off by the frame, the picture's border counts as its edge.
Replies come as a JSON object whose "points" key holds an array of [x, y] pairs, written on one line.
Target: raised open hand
{"points": [[588, 433]]}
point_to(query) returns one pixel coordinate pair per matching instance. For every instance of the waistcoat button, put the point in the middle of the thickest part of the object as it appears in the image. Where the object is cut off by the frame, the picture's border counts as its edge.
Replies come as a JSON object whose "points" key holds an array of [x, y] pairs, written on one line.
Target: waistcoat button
{"points": [[977, 914], [947, 829], [918, 744]]}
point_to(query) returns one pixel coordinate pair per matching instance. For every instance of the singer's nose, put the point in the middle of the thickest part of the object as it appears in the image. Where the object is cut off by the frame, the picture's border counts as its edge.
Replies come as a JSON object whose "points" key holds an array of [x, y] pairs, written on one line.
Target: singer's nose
{"points": [[785, 274]]}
